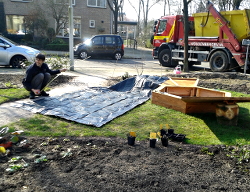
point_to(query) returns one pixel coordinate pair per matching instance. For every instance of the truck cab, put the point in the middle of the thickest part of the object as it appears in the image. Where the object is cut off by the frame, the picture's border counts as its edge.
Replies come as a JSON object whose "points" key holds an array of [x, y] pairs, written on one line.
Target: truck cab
{"points": [[170, 29]]}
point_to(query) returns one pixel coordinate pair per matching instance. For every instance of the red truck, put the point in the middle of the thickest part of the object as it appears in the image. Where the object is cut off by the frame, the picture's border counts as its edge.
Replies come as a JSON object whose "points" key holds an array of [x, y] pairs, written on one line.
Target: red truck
{"points": [[214, 37]]}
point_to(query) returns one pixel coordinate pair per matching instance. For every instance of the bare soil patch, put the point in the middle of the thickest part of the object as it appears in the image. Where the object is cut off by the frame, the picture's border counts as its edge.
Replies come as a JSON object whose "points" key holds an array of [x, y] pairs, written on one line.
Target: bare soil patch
{"points": [[110, 164]]}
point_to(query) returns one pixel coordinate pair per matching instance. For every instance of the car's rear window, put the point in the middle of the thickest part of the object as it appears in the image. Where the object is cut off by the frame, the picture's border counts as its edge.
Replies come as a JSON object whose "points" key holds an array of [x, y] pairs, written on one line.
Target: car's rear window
{"points": [[119, 40]]}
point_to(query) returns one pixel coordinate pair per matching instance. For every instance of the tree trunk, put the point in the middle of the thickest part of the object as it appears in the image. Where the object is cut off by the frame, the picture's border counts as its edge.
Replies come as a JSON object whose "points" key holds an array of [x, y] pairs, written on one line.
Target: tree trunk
{"points": [[186, 30]]}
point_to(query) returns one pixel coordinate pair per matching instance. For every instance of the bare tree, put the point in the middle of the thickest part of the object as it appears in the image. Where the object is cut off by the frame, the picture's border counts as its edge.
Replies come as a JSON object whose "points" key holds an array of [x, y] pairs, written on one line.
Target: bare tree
{"points": [[115, 6], [146, 5], [236, 4], [59, 12], [226, 5], [165, 3], [36, 23], [201, 7], [138, 13]]}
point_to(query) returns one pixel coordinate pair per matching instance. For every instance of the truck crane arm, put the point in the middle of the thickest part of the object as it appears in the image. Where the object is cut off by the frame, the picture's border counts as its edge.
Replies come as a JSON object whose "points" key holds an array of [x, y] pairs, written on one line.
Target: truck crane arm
{"points": [[223, 26]]}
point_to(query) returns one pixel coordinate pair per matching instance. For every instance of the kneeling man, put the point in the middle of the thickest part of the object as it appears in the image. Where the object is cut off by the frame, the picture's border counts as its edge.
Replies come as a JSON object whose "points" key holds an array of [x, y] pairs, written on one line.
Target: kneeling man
{"points": [[38, 76]]}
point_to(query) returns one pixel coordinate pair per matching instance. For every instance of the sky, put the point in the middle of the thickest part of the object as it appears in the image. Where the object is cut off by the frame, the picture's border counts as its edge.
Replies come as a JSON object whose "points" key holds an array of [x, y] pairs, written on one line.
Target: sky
{"points": [[154, 12], [157, 10]]}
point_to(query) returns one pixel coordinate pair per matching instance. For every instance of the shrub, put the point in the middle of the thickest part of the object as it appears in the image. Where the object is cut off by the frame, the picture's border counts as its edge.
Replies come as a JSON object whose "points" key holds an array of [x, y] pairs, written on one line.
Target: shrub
{"points": [[44, 42], [57, 41], [51, 33], [28, 37], [15, 38], [58, 62], [57, 47]]}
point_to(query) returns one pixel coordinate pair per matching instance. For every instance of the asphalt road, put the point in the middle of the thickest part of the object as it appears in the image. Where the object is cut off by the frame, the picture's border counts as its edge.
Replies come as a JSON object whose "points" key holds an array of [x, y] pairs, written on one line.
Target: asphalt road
{"points": [[134, 62]]}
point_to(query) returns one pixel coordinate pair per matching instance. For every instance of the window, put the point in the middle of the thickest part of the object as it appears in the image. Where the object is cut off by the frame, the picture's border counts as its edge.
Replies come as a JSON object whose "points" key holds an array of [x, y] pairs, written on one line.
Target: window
{"points": [[162, 26], [97, 3], [64, 31], [110, 40], [97, 40], [3, 42], [92, 23], [64, 1], [15, 24], [77, 27]]}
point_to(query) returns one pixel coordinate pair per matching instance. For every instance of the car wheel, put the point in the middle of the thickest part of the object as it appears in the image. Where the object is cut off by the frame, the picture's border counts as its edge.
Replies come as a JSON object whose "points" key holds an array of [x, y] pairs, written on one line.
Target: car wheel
{"points": [[166, 60], [83, 55], [117, 56], [219, 62], [16, 61]]}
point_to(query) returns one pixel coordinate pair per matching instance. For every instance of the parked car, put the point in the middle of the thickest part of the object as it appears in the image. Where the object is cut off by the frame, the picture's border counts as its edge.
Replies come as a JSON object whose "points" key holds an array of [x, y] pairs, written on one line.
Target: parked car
{"points": [[102, 46], [13, 54]]}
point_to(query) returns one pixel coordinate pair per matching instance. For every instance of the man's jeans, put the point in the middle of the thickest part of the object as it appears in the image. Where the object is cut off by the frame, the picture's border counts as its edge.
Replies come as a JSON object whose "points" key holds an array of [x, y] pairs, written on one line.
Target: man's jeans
{"points": [[40, 80]]}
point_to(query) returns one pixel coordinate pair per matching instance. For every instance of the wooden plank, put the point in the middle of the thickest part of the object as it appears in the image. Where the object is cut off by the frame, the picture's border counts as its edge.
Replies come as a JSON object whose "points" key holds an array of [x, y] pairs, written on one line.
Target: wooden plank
{"points": [[203, 92], [185, 82], [181, 91], [193, 99], [168, 101], [172, 81], [175, 103], [216, 99], [209, 107]]}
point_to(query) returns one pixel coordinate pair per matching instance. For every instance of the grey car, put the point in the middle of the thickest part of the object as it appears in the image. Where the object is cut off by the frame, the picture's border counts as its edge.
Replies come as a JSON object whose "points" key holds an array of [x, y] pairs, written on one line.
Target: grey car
{"points": [[101, 46], [14, 54]]}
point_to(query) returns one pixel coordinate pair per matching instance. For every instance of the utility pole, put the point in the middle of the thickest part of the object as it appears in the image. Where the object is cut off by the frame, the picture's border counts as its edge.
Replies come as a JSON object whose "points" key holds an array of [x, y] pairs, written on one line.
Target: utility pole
{"points": [[186, 31], [71, 40]]}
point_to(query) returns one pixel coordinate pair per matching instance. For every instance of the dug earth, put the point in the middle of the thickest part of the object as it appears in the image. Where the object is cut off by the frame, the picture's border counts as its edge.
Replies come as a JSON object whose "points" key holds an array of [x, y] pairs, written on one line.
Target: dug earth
{"points": [[110, 164]]}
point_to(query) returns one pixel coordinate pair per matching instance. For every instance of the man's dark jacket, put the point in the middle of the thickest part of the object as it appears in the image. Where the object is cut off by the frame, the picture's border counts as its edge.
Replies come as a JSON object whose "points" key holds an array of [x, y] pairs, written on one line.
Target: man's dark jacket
{"points": [[33, 70]]}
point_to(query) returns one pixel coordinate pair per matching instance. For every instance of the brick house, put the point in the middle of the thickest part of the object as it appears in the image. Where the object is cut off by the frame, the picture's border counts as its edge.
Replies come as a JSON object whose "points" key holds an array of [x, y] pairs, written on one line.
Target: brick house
{"points": [[91, 17]]}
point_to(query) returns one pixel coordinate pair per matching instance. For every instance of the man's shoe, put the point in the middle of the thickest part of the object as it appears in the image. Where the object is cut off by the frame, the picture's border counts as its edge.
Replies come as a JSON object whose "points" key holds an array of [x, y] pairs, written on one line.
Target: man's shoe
{"points": [[43, 93], [32, 95]]}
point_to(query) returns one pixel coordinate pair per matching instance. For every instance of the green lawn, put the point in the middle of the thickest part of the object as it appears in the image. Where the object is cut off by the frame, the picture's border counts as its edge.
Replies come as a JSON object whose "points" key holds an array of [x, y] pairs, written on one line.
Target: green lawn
{"points": [[201, 129]]}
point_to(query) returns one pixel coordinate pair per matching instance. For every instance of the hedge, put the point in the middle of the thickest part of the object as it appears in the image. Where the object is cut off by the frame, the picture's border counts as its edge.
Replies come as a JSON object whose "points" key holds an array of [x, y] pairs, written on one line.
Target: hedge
{"points": [[57, 47]]}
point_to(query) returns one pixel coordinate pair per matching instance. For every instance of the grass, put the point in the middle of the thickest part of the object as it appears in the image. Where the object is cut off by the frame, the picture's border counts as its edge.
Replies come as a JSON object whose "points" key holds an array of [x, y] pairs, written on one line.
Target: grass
{"points": [[12, 94], [201, 129]]}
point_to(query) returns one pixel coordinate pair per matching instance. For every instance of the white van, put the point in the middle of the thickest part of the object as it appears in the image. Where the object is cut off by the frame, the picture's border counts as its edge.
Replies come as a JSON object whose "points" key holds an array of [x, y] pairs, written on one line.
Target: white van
{"points": [[14, 54]]}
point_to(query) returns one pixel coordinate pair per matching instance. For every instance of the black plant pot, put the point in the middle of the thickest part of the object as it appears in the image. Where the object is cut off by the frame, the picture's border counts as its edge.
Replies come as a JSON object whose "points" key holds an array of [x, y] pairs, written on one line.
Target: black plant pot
{"points": [[163, 132], [131, 140], [152, 143], [170, 131], [164, 140]]}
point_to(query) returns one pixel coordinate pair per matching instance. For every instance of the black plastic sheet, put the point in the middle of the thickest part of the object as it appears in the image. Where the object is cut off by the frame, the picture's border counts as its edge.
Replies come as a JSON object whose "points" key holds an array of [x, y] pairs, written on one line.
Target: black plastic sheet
{"points": [[96, 106]]}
